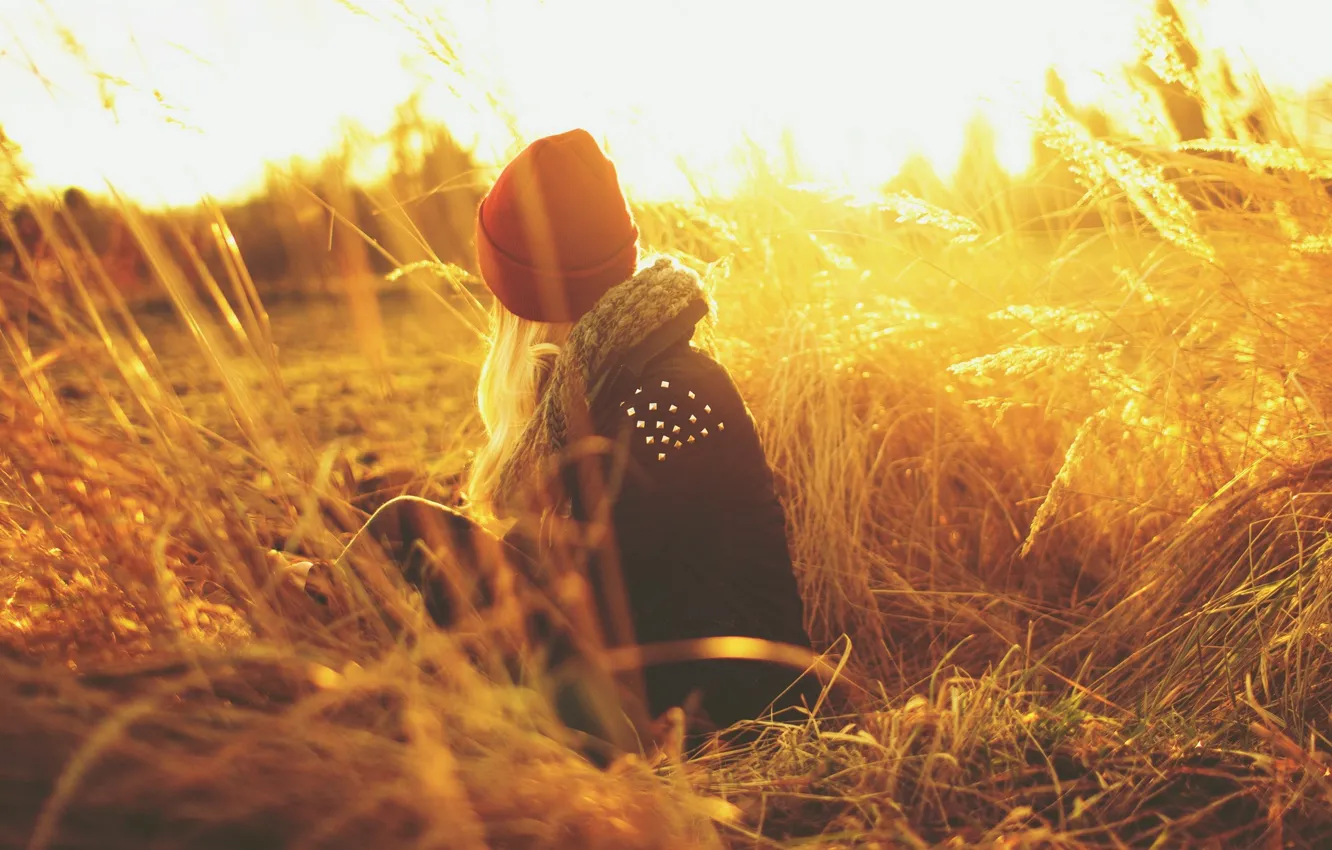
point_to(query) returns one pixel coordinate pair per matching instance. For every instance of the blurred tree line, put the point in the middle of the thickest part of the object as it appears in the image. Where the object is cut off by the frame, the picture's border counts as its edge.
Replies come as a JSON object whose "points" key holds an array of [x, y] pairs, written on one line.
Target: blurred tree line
{"points": [[314, 228], [311, 228]]}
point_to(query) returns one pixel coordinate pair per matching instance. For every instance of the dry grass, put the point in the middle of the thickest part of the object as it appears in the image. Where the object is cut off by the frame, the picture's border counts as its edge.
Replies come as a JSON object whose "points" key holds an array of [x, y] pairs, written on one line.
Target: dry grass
{"points": [[1064, 494]]}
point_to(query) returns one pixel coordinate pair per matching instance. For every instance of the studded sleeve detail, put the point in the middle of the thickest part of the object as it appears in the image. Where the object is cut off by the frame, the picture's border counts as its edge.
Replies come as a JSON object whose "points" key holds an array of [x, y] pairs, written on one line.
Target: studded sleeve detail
{"points": [[667, 421]]}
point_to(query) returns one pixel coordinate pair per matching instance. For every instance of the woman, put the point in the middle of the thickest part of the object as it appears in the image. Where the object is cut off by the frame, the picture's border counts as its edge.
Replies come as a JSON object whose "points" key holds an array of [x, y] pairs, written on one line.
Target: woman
{"points": [[592, 357], [587, 343]]}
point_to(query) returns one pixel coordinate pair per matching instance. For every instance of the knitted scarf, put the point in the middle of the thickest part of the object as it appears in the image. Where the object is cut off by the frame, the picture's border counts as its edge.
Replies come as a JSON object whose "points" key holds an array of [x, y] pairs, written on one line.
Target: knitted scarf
{"points": [[619, 321]]}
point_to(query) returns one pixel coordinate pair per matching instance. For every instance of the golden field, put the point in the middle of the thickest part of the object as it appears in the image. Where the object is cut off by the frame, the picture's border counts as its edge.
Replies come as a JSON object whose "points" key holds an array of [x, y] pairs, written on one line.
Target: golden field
{"points": [[1055, 459]]}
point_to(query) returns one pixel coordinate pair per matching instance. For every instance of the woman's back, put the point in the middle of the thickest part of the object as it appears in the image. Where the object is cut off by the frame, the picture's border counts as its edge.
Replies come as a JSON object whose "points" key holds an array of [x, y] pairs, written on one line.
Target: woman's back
{"points": [[700, 532]]}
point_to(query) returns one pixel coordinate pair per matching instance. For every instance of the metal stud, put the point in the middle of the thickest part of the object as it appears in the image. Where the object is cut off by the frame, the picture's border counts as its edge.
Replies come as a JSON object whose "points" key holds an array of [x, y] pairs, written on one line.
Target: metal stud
{"points": [[675, 430], [661, 456], [651, 439], [721, 426], [652, 406], [631, 411], [637, 391], [707, 408], [692, 418], [665, 384], [691, 439], [705, 432], [678, 444], [673, 408], [691, 394], [642, 424], [660, 424]]}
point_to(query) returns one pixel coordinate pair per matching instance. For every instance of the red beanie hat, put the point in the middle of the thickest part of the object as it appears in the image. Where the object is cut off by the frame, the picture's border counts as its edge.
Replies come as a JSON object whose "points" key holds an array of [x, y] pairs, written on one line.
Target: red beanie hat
{"points": [[555, 232]]}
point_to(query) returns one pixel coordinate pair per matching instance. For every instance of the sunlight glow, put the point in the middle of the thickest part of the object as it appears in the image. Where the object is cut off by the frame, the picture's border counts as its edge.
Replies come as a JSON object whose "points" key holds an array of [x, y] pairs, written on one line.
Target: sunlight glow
{"points": [[172, 99], [859, 86]]}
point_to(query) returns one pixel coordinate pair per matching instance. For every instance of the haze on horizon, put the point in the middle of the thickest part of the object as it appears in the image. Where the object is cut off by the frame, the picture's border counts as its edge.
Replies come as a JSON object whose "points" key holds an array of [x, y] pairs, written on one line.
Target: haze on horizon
{"points": [[168, 101]]}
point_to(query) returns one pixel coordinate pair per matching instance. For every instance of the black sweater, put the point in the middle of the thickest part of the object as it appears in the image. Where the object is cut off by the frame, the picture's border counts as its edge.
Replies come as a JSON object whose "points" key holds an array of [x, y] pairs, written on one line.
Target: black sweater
{"points": [[700, 532]]}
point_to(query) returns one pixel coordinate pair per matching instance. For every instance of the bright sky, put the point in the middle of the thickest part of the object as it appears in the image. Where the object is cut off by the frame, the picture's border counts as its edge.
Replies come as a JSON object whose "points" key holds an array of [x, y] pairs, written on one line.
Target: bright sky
{"points": [[858, 84]]}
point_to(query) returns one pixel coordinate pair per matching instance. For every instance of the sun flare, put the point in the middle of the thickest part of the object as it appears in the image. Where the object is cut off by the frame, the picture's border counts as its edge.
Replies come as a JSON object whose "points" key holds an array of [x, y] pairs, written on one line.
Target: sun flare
{"points": [[166, 100]]}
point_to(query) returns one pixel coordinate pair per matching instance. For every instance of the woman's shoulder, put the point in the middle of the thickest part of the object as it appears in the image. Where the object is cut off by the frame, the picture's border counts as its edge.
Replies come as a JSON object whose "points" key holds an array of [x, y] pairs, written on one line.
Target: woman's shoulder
{"points": [[693, 369], [683, 375], [682, 401]]}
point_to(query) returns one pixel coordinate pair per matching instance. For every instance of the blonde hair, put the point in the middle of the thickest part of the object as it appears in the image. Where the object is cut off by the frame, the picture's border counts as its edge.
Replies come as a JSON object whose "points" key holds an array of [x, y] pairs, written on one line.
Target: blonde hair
{"points": [[518, 363]]}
